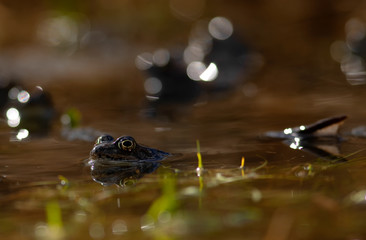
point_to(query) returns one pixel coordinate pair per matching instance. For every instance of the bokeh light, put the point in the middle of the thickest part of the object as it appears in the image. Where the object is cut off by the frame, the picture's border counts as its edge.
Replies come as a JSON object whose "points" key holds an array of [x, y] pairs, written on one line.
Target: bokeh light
{"points": [[161, 57], [13, 93], [63, 31], [144, 61], [210, 73], [220, 28], [80, 216], [195, 69], [13, 117], [296, 143], [355, 31], [41, 230], [147, 223], [153, 85], [351, 53], [23, 96], [58, 30], [358, 197], [96, 230], [354, 70], [193, 53], [200, 38], [339, 51], [119, 227], [22, 134], [65, 119], [287, 131]]}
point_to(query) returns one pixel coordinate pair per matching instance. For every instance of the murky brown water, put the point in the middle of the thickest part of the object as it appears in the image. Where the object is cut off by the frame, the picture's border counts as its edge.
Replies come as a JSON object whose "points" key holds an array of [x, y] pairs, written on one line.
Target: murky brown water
{"points": [[47, 189]]}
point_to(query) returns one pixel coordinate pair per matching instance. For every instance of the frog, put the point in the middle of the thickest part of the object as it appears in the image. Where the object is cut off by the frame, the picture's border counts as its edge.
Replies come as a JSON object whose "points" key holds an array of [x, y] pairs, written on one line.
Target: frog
{"points": [[124, 149], [324, 129], [320, 138]]}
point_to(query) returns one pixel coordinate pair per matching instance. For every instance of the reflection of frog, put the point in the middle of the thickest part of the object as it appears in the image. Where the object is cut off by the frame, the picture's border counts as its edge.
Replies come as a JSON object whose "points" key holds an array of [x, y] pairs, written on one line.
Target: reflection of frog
{"points": [[121, 173], [124, 148]]}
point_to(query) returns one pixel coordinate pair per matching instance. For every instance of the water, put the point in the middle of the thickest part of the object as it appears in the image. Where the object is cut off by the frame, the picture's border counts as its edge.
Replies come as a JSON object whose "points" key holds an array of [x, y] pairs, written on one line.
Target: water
{"points": [[47, 189], [277, 73]]}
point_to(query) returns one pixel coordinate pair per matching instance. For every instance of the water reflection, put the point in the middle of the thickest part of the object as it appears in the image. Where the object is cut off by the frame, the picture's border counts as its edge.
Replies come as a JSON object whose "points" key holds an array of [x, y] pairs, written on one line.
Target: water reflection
{"points": [[121, 173], [328, 150]]}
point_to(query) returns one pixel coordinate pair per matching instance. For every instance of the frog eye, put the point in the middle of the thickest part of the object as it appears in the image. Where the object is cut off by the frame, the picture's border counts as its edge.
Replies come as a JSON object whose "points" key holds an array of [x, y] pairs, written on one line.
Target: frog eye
{"points": [[126, 144]]}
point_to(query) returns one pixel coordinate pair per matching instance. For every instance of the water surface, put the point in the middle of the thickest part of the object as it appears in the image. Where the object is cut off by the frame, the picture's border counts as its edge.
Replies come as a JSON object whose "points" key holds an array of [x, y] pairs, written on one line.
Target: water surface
{"points": [[48, 190]]}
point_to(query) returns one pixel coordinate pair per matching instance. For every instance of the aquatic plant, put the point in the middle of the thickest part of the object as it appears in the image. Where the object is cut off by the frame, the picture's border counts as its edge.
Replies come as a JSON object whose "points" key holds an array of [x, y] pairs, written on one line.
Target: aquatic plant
{"points": [[167, 203], [54, 220], [200, 168]]}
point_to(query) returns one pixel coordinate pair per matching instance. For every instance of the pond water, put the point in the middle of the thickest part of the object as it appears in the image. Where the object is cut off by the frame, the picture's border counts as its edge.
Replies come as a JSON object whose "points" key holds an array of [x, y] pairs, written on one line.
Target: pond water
{"points": [[247, 186], [48, 191]]}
